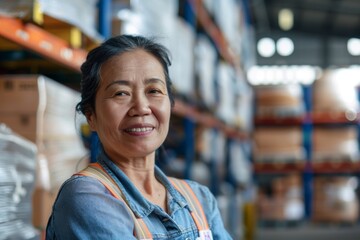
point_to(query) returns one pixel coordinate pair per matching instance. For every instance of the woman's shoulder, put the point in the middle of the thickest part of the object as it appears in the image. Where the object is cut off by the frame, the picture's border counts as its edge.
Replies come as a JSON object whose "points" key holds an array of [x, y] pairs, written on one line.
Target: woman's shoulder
{"points": [[82, 184]]}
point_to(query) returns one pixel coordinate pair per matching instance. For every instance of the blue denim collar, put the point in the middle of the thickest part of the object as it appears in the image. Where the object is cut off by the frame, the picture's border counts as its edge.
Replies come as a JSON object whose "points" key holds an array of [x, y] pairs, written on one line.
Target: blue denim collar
{"points": [[140, 206]]}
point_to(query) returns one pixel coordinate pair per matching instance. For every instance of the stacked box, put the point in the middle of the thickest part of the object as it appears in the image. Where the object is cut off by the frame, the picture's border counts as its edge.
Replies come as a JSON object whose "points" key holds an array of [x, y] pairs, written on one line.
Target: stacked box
{"points": [[17, 180], [278, 144], [43, 111], [335, 199], [335, 144], [279, 101], [280, 199]]}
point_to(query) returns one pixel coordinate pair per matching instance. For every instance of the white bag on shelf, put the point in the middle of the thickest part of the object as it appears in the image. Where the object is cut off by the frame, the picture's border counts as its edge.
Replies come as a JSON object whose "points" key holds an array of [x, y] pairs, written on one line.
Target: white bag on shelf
{"points": [[17, 180]]}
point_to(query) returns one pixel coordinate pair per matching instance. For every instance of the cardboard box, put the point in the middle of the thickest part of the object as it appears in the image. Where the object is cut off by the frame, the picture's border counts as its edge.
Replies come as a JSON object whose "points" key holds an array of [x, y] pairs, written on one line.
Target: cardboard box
{"points": [[43, 111]]}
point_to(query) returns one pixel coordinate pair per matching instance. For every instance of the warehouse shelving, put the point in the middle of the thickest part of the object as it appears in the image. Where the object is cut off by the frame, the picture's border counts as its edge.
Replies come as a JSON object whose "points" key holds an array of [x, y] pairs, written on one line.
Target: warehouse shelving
{"points": [[307, 167], [40, 41], [51, 49]]}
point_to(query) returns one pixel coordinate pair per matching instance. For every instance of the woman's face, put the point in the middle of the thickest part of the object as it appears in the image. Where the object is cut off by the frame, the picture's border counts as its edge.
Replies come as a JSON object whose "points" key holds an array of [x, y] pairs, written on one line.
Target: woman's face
{"points": [[132, 106]]}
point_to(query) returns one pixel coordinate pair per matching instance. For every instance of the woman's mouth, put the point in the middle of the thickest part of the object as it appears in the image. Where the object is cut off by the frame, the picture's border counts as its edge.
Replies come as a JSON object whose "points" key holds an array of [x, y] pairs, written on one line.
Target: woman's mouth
{"points": [[139, 130]]}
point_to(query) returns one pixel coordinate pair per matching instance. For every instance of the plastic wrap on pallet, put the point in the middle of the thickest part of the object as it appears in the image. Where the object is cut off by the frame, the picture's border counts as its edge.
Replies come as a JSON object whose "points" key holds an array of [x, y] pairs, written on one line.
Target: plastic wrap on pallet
{"points": [[278, 145], [335, 144], [226, 92], [181, 46], [240, 166], [279, 100], [155, 18], [244, 104], [205, 65], [281, 199], [17, 180], [158, 19], [336, 91], [80, 13], [335, 199]]}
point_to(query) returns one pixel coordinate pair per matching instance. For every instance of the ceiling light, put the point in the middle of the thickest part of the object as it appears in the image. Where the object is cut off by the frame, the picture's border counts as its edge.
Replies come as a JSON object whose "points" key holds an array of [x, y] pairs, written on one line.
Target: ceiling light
{"points": [[353, 46], [266, 47], [286, 19], [285, 46]]}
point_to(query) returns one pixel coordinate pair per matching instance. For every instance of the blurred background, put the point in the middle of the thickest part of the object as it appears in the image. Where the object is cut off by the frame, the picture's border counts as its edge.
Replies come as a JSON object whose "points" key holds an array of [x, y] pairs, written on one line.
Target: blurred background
{"points": [[266, 112]]}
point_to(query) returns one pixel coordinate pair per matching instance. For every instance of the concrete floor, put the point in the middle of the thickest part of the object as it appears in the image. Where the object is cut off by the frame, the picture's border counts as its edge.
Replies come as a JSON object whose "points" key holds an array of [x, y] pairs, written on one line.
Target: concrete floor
{"points": [[310, 232]]}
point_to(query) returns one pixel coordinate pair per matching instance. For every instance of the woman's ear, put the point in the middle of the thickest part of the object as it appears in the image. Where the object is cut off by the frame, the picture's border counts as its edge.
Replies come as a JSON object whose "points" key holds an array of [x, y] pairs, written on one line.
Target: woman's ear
{"points": [[90, 117]]}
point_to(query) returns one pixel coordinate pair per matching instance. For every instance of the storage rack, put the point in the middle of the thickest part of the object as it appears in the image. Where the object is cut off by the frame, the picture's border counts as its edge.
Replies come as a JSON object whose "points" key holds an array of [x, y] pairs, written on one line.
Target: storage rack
{"points": [[307, 168]]}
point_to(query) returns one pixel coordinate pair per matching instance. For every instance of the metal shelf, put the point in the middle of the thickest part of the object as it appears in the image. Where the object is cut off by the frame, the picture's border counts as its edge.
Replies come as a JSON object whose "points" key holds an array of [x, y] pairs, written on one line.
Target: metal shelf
{"points": [[40, 41], [184, 110], [279, 168], [214, 32]]}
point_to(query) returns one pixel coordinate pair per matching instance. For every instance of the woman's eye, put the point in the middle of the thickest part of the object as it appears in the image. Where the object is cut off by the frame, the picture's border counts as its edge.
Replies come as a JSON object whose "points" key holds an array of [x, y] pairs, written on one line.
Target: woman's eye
{"points": [[154, 91], [121, 93]]}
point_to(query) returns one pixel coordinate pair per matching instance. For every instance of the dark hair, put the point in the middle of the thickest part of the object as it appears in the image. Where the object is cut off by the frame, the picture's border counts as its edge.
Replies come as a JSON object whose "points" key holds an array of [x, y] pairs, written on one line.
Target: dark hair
{"points": [[90, 69]]}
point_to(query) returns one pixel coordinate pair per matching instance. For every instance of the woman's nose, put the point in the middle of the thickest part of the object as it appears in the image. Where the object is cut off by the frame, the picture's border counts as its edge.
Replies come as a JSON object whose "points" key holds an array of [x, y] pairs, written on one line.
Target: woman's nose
{"points": [[140, 106]]}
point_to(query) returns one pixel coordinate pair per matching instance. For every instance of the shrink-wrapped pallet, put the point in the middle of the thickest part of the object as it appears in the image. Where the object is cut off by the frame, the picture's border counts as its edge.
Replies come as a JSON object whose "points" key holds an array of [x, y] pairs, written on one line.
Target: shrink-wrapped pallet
{"points": [[335, 144], [281, 199], [336, 92], [279, 101], [278, 144], [335, 199], [17, 181]]}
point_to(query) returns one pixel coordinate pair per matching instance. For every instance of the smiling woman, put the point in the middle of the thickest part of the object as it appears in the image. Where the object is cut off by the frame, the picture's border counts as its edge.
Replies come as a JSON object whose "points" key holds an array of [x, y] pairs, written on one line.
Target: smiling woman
{"points": [[127, 100]]}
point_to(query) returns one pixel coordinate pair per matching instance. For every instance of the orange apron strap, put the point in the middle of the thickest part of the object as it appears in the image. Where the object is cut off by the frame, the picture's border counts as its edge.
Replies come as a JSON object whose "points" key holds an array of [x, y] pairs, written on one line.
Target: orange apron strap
{"points": [[95, 170], [197, 211]]}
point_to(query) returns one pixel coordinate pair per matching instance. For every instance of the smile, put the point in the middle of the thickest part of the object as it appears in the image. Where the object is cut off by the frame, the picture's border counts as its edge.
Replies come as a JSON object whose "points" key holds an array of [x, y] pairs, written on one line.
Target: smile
{"points": [[143, 129]]}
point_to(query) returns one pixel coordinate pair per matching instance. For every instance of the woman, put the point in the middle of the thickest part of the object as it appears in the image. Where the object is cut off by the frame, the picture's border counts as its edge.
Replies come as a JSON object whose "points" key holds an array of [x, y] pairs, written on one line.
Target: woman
{"points": [[127, 100]]}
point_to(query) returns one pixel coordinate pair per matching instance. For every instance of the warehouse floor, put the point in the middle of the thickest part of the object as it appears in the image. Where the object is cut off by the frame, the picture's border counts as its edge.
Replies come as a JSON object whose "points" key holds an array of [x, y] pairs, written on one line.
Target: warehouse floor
{"points": [[310, 232]]}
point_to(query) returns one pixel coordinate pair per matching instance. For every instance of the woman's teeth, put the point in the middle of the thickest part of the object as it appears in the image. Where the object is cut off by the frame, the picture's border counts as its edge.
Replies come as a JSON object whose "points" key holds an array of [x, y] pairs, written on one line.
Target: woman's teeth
{"points": [[144, 129]]}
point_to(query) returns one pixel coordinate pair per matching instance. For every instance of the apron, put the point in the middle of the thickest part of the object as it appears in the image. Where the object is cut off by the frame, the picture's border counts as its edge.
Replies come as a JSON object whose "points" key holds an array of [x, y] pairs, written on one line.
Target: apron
{"points": [[141, 231]]}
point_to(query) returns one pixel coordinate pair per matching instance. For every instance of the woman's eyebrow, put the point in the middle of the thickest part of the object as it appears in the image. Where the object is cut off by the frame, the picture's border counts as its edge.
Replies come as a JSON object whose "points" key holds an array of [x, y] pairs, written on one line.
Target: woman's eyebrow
{"points": [[154, 80], [119, 82]]}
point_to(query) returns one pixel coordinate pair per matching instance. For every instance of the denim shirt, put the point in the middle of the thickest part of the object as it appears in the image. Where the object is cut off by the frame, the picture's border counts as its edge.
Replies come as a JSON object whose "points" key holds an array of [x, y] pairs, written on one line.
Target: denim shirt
{"points": [[85, 209]]}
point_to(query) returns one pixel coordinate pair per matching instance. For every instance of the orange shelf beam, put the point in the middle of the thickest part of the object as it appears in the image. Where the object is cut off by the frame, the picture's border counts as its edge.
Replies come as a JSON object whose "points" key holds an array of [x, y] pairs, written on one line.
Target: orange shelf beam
{"points": [[279, 167], [41, 42], [334, 117], [279, 120], [208, 120], [336, 167], [214, 32]]}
